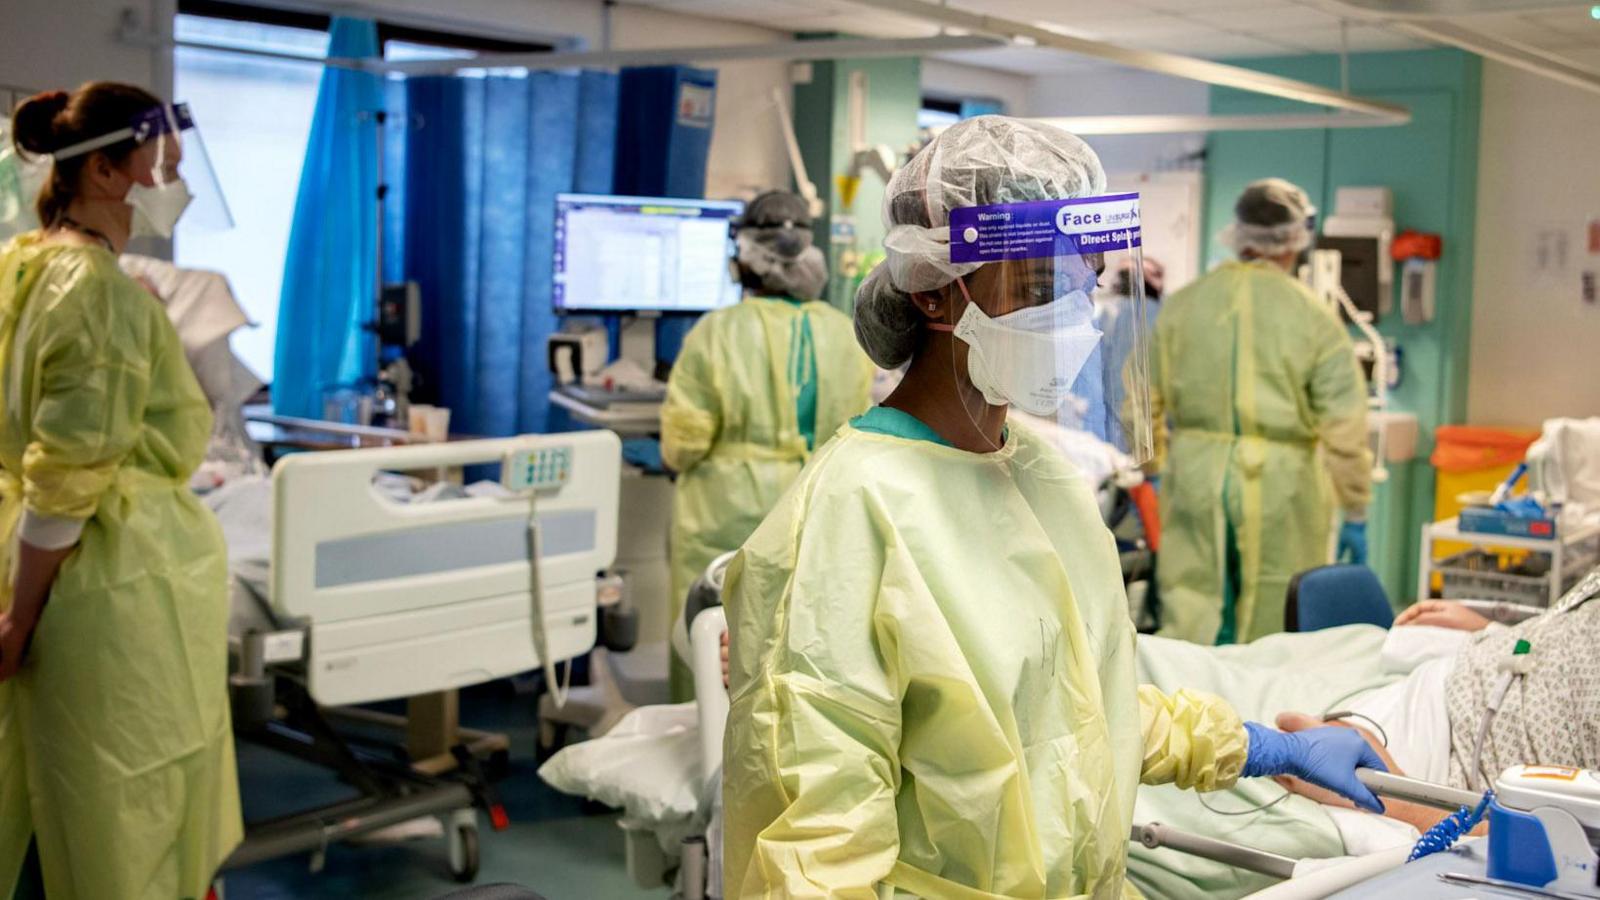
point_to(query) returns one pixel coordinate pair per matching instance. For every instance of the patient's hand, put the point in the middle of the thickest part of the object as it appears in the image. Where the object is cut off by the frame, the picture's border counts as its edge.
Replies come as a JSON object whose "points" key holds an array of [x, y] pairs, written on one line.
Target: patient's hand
{"points": [[1416, 815], [1442, 614], [1295, 721], [724, 660]]}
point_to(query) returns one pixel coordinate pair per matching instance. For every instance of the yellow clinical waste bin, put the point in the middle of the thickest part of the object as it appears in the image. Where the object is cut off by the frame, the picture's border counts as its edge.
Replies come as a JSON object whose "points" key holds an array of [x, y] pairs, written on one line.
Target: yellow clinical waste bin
{"points": [[1468, 459]]}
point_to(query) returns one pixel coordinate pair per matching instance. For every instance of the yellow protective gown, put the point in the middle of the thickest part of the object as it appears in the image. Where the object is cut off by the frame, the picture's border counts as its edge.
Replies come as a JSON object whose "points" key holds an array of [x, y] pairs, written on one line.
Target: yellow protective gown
{"points": [[116, 750], [933, 683], [1269, 425], [731, 425]]}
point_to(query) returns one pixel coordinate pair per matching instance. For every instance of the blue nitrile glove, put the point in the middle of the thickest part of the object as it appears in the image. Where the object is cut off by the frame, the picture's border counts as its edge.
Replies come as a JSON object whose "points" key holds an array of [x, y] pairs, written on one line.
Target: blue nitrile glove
{"points": [[1352, 543], [1327, 757]]}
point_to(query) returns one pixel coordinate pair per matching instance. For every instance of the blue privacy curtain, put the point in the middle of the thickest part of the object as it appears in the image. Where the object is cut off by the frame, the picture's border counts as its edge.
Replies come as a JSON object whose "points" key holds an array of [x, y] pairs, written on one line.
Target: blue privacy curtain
{"points": [[484, 158], [329, 273]]}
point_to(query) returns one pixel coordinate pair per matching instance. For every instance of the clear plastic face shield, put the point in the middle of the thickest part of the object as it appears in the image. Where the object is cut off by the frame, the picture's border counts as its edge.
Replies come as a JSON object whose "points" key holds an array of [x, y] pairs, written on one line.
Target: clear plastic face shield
{"points": [[1035, 330], [20, 180], [171, 173]]}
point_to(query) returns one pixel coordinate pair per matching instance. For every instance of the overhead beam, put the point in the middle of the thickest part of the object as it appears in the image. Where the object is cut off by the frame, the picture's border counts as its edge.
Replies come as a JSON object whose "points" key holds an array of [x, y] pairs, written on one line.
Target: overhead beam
{"points": [[839, 48], [1448, 22], [1451, 9], [1183, 124], [836, 48], [1377, 112], [1512, 53]]}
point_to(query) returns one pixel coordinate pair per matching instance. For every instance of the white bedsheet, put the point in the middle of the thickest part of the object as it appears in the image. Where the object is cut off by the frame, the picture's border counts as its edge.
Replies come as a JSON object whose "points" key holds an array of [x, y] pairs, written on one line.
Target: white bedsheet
{"points": [[244, 509], [1412, 711]]}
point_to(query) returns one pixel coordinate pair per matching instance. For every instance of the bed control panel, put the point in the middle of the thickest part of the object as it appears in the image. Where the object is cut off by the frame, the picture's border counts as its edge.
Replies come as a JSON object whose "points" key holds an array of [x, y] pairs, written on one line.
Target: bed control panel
{"points": [[533, 469]]}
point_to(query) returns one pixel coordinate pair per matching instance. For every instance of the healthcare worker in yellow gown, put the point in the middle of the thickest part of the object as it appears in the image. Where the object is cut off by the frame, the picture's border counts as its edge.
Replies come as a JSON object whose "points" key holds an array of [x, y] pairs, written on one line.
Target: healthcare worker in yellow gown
{"points": [[932, 674], [1268, 414], [755, 388], [116, 752]]}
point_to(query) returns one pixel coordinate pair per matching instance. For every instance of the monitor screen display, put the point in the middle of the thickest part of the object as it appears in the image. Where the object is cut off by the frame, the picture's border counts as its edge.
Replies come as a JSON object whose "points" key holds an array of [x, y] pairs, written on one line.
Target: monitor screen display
{"points": [[643, 254]]}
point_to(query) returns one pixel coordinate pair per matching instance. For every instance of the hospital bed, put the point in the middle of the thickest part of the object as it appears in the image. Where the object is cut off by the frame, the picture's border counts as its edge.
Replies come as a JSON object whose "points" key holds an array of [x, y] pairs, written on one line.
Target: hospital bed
{"points": [[1544, 841], [372, 599], [1545, 821], [1300, 836]]}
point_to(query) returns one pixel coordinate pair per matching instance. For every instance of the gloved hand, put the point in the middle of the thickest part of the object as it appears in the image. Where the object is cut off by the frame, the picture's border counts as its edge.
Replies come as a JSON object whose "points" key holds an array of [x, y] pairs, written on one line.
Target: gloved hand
{"points": [[1352, 543], [1327, 757]]}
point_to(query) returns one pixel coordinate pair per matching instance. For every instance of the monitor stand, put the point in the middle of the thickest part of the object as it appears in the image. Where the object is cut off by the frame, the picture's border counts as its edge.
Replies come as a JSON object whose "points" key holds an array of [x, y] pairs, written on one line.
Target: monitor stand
{"points": [[638, 341]]}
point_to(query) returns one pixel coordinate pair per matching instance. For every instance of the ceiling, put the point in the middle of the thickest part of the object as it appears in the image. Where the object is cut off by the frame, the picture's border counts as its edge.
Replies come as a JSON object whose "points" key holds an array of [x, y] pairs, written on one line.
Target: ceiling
{"points": [[1205, 28]]}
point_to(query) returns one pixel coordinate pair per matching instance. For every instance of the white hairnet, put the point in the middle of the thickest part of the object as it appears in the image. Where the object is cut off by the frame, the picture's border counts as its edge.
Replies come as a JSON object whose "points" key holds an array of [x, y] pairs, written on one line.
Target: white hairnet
{"points": [[1272, 217], [980, 161]]}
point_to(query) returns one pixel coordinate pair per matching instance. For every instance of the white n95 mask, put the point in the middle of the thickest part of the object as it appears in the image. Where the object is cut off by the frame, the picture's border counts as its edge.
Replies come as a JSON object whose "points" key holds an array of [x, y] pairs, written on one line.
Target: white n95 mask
{"points": [[1029, 358], [156, 210]]}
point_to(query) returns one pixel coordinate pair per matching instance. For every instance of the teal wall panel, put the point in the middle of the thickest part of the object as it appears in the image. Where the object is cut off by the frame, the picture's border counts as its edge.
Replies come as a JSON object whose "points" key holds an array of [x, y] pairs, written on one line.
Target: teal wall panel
{"points": [[822, 109]]}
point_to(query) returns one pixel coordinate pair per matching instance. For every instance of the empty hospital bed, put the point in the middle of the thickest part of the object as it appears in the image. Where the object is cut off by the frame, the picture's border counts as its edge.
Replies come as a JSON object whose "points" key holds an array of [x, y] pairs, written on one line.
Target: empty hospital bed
{"points": [[370, 598]]}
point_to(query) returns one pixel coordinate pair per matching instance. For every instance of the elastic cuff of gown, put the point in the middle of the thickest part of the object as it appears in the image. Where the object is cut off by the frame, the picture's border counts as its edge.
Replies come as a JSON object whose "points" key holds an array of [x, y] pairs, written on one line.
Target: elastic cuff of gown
{"points": [[49, 532], [1258, 758]]}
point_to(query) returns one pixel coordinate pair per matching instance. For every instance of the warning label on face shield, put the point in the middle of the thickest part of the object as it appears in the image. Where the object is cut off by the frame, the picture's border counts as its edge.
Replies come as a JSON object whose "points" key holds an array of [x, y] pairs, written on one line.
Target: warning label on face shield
{"points": [[1044, 228]]}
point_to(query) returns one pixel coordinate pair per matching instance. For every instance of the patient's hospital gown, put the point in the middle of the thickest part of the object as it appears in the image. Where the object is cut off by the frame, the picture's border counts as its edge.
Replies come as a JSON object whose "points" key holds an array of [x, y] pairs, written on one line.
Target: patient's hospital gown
{"points": [[1551, 717]]}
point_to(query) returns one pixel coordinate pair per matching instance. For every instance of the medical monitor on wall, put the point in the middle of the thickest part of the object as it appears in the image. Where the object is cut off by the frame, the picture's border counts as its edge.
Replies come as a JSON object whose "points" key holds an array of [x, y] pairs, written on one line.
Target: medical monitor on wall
{"points": [[643, 254]]}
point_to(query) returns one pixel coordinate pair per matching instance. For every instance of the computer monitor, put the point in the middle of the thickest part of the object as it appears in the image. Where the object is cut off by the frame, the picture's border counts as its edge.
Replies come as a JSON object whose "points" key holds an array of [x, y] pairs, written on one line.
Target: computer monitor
{"points": [[643, 254], [1358, 275]]}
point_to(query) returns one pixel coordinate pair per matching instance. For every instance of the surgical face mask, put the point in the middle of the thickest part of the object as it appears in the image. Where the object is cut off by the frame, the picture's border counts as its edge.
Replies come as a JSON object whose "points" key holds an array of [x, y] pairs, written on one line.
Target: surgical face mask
{"points": [[1029, 358], [156, 210]]}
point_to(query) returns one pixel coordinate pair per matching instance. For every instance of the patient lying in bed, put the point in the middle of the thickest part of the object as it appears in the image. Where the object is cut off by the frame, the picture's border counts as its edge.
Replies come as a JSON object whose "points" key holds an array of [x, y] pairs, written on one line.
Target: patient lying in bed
{"points": [[1419, 688]]}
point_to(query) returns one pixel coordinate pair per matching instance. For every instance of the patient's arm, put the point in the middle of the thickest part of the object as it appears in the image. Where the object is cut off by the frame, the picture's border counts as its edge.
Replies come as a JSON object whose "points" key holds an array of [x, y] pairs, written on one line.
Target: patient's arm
{"points": [[1442, 614], [1414, 814]]}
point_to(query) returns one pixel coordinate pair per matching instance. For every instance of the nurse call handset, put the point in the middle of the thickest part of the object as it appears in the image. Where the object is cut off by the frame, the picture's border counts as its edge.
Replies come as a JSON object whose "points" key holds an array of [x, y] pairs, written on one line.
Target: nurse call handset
{"points": [[525, 472]]}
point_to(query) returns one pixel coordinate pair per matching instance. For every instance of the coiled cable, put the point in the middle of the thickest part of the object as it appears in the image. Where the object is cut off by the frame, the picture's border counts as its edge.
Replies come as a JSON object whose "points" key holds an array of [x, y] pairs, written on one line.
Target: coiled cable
{"points": [[1450, 829]]}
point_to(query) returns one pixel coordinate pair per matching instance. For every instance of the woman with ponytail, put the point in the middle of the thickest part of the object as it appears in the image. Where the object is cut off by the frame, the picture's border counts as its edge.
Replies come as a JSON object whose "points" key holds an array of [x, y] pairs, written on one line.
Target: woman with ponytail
{"points": [[116, 750]]}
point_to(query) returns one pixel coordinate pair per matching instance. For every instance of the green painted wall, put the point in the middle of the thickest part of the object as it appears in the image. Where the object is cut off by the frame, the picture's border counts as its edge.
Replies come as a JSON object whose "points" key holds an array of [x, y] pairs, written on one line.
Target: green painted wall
{"points": [[1431, 165], [894, 94]]}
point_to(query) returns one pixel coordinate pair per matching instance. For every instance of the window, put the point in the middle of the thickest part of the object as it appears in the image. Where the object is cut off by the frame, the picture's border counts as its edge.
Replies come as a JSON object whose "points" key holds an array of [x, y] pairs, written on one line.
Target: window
{"points": [[254, 114], [939, 113], [254, 111]]}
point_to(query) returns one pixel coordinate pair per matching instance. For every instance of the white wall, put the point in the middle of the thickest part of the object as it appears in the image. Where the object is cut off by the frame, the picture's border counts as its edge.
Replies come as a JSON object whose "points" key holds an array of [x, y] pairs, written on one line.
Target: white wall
{"points": [[1109, 90], [47, 44], [1534, 340], [943, 78]]}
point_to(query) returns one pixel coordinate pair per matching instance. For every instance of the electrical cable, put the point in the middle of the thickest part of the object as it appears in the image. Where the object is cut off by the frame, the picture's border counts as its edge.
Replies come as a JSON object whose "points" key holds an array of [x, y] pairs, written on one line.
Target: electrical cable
{"points": [[541, 628], [1383, 736]]}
